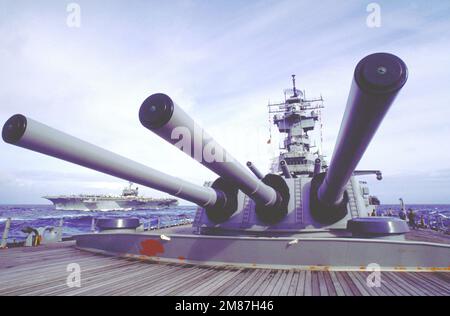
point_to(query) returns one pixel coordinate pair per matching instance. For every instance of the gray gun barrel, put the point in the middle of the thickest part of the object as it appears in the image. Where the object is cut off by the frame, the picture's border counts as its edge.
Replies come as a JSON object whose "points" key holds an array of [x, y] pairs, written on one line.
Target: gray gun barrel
{"points": [[317, 166], [162, 116], [377, 80], [27, 133], [255, 170], [285, 169]]}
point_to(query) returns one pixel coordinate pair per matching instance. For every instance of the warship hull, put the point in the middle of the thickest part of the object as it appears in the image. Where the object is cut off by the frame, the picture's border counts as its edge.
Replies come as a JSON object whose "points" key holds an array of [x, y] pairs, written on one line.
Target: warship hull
{"points": [[108, 204]]}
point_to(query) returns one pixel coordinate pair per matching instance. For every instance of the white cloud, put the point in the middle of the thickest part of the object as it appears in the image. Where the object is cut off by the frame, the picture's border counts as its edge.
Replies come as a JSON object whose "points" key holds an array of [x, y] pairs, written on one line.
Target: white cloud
{"points": [[221, 62]]}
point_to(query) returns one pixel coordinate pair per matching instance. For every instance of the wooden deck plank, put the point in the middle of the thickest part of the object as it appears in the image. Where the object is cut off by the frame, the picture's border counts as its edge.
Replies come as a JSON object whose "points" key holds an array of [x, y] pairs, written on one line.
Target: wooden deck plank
{"points": [[382, 290], [259, 290], [53, 260], [42, 271], [287, 283], [315, 283], [149, 272], [329, 283], [246, 286], [436, 279], [363, 281], [322, 284], [217, 282], [444, 276], [272, 283], [192, 284], [100, 284], [29, 280], [359, 285], [280, 283], [390, 289], [231, 284], [34, 276], [301, 284], [430, 279], [177, 284], [149, 282], [294, 282], [181, 283], [393, 286], [350, 284], [308, 283], [226, 283], [206, 285], [399, 279], [432, 290], [245, 283], [337, 285], [405, 284], [445, 288], [176, 279], [258, 286], [343, 283], [265, 284], [36, 272], [47, 264]]}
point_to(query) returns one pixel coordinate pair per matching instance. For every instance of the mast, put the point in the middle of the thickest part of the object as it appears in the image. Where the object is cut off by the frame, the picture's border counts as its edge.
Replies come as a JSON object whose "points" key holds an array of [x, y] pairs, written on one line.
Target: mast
{"points": [[293, 86]]}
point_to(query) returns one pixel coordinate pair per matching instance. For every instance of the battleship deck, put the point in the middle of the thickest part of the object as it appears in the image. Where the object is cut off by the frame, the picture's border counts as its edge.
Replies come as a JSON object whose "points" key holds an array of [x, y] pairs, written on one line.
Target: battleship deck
{"points": [[42, 271]]}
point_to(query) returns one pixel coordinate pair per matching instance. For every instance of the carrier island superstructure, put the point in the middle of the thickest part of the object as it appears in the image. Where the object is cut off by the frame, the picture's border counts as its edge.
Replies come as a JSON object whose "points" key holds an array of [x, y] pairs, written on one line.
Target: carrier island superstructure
{"points": [[304, 214]]}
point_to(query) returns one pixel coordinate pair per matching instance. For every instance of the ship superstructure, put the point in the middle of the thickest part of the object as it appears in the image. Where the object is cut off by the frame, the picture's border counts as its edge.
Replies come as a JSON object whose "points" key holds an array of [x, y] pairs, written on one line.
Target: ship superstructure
{"points": [[297, 116], [128, 200], [300, 154]]}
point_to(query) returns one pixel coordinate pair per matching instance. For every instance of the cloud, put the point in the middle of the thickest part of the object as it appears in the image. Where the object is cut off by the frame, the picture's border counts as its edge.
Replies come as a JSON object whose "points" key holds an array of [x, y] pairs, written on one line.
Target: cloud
{"points": [[222, 62], [419, 187]]}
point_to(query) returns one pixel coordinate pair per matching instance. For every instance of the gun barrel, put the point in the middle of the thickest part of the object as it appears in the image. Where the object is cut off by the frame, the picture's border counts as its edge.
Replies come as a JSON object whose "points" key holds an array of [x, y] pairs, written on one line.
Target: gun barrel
{"points": [[317, 166], [162, 116], [27, 133], [285, 169], [377, 80], [255, 170]]}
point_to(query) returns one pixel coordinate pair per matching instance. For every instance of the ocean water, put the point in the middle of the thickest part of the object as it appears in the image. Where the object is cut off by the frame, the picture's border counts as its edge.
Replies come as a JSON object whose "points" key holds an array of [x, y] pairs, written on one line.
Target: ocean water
{"points": [[419, 209], [78, 222]]}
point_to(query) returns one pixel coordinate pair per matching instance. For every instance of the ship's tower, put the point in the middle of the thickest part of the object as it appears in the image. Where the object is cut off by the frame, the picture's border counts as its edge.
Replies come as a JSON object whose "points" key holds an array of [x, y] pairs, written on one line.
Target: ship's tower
{"points": [[297, 117]]}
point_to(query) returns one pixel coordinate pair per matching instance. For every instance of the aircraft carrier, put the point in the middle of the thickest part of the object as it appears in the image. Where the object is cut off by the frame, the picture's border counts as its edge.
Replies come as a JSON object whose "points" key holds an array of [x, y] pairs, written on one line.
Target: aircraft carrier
{"points": [[129, 200]]}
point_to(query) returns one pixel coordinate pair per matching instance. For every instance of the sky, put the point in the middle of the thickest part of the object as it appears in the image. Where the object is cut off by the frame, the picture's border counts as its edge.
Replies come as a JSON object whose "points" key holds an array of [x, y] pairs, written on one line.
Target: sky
{"points": [[221, 61]]}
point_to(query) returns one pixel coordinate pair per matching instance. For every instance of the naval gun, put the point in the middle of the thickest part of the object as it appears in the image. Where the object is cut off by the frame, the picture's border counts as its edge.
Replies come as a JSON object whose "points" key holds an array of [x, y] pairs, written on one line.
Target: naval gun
{"points": [[243, 200], [377, 81], [165, 118], [28, 133]]}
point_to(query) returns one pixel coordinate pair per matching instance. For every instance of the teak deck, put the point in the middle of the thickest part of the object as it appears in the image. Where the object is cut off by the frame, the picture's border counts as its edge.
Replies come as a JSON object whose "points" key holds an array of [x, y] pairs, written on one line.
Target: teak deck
{"points": [[43, 271]]}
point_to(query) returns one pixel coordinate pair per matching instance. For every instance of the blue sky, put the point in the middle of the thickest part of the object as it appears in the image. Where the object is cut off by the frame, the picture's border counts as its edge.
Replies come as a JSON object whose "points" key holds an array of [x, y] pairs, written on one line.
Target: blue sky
{"points": [[221, 61]]}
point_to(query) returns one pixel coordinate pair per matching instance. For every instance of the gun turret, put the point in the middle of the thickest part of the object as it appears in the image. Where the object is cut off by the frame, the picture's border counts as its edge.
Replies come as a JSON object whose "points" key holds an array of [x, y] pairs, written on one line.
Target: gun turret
{"points": [[162, 116], [377, 80], [27, 133]]}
